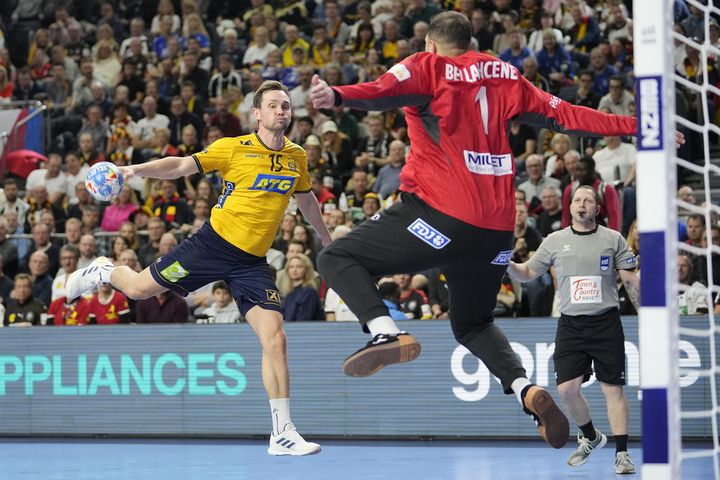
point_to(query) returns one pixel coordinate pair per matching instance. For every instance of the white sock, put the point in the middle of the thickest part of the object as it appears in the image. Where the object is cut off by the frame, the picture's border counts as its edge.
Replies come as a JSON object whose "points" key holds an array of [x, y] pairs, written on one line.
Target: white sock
{"points": [[382, 325], [518, 385], [105, 274], [280, 412]]}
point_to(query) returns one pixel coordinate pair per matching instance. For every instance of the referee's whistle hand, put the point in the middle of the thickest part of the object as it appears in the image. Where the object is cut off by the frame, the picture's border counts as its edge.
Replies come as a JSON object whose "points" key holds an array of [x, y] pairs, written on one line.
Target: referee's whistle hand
{"points": [[321, 94]]}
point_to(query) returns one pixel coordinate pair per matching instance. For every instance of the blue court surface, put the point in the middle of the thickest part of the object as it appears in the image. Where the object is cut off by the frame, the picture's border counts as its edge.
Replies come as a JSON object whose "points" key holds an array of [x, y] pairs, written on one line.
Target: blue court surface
{"points": [[77, 459]]}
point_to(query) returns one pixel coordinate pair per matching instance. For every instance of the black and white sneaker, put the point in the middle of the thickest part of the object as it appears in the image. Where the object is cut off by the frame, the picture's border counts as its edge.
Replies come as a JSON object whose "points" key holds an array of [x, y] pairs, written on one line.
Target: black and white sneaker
{"points": [[383, 350]]}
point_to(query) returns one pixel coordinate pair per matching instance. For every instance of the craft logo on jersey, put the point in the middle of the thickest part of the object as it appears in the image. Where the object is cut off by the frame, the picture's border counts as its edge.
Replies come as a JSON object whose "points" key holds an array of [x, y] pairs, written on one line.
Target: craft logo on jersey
{"points": [[487, 164], [649, 113], [604, 263], [273, 183], [586, 289], [503, 258], [428, 234]]}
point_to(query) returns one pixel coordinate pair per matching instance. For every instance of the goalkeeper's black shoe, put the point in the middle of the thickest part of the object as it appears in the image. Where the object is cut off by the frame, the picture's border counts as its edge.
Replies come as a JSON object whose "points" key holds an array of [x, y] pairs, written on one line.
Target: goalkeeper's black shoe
{"points": [[383, 350], [550, 420]]}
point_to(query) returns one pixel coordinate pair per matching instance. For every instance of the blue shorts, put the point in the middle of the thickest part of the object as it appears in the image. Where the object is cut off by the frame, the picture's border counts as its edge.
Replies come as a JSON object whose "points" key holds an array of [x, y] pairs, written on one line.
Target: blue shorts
{"points": [[206, 257]]}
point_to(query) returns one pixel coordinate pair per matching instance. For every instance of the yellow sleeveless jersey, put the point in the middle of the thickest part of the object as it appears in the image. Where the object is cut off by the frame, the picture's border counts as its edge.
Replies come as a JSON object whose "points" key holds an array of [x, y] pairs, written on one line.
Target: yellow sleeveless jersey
{"points": [[257, 184]]}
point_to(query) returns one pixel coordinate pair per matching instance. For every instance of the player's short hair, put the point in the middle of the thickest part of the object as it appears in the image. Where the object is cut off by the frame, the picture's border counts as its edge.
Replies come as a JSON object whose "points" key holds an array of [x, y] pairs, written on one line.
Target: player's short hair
{"points": [[268, 86], [451, 28], [10, 181]]}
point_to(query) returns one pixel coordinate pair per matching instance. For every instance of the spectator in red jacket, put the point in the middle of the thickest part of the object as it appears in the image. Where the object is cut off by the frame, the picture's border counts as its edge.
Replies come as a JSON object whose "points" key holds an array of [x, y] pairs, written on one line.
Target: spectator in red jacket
{"points": [[108, 306], [63, 313]]}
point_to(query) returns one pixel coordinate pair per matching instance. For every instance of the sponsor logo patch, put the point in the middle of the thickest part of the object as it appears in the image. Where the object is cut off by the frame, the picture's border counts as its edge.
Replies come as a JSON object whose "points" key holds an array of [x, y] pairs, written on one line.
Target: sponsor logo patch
{"points": [[487, 164], [503, 258], [273, 183], [273, 296], [587, 289], [174, 272], [428, 234], [604, 263], [554, 102], [649, 113], [401, 72]]}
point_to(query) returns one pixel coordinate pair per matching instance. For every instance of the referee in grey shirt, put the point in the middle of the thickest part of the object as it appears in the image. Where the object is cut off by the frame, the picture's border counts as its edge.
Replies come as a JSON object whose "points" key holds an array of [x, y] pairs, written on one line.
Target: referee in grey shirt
{"points": [[586, 257]]}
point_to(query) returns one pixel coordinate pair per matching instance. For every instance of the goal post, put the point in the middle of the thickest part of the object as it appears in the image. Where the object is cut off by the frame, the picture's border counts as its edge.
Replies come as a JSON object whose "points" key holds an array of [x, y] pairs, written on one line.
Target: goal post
{"points": [[657, 224]]}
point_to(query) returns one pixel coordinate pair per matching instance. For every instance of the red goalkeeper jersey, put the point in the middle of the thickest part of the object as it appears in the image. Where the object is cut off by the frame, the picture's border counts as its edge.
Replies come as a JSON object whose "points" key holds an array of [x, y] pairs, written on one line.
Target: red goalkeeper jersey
{"points": [[457, 111]]}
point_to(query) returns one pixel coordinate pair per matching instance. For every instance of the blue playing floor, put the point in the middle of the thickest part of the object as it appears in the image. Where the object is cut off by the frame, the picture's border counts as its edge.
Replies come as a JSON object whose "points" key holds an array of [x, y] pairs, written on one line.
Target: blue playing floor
{"points": [[59, 459]]}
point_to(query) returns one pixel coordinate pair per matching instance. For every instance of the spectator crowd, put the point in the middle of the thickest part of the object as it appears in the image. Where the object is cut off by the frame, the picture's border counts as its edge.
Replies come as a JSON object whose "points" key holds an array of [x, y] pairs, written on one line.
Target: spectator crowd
{"points": [[128, 81]]}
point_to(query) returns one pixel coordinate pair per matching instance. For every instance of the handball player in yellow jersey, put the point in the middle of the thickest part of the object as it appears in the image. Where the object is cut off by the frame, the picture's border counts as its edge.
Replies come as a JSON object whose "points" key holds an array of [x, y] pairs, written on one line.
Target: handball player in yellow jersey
{"points": [[260, 172]]}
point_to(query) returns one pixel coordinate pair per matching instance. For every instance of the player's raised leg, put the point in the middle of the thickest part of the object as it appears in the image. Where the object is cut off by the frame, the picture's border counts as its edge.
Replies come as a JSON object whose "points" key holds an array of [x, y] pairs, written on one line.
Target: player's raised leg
{"points": [[473, 284], [133, 284], [284, 440], [407, 237]]}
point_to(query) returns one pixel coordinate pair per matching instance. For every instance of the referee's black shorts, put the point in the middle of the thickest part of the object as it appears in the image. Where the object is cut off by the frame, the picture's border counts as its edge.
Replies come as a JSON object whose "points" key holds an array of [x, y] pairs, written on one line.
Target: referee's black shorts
{"points": [[587, 342]]}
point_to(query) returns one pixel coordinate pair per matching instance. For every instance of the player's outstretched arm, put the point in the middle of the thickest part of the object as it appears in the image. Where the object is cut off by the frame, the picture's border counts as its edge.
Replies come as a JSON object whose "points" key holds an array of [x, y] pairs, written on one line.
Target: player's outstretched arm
{"points": [[310, 208], [521, 271], [168, 168]]}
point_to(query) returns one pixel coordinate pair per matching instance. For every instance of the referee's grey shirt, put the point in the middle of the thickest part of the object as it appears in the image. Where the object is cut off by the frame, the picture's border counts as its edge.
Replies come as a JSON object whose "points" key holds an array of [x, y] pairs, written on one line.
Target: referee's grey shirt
{"points": [[585, 266]]}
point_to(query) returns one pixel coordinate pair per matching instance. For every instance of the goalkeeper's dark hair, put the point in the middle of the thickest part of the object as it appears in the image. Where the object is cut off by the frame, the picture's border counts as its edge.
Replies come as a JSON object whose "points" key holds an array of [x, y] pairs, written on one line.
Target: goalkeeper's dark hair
{"points": [[452, 29]]}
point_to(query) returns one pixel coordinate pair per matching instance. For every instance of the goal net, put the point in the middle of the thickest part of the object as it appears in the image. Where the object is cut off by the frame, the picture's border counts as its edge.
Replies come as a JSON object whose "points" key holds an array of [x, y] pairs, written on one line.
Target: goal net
{"points": [[677, 57]]}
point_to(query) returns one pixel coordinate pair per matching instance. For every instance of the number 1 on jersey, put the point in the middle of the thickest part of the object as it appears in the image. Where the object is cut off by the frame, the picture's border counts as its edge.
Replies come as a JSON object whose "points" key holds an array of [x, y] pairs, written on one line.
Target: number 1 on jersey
{"points": [[481, 99]]}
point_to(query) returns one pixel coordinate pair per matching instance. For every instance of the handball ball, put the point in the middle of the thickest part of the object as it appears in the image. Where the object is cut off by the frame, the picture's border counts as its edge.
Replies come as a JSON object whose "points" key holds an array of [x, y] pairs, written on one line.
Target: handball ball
{"points": [[104, 181]]}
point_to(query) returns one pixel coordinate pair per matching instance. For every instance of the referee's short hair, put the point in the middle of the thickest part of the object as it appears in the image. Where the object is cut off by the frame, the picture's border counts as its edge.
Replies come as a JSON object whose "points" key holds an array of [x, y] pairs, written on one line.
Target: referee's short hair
{"points": [[451, 28], [586, 187]]}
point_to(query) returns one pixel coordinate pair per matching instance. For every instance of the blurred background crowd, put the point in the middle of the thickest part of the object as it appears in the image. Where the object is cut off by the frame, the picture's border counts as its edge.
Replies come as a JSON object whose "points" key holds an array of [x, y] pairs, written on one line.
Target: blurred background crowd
{"points": [[127, 81]]}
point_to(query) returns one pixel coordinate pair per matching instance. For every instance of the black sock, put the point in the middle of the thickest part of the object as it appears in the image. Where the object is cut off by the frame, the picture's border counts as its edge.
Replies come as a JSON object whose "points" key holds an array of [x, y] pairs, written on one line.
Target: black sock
{"points": [[588, 431], [620, 443]]}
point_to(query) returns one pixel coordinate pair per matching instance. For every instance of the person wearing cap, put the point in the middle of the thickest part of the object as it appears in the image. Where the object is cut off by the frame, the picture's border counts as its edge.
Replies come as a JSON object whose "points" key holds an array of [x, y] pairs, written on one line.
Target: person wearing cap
{"points": [[317, 162], [338, 148], [370, 205]]}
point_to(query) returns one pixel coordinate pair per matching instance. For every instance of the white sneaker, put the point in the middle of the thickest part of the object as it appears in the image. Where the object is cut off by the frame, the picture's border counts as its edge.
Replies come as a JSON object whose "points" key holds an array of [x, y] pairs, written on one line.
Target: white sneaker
{"points": [[289, 442], [87, 278], [623, 464]]}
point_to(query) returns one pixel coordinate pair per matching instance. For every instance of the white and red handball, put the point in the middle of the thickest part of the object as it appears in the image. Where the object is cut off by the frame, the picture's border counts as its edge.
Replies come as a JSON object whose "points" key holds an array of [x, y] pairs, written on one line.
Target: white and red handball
{"points": [[104, 181]]}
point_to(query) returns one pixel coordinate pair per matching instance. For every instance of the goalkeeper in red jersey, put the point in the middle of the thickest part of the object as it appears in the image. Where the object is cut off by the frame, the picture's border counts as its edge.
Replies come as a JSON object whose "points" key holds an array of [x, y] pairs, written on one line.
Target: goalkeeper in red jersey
{"points": [[457, 205]]}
